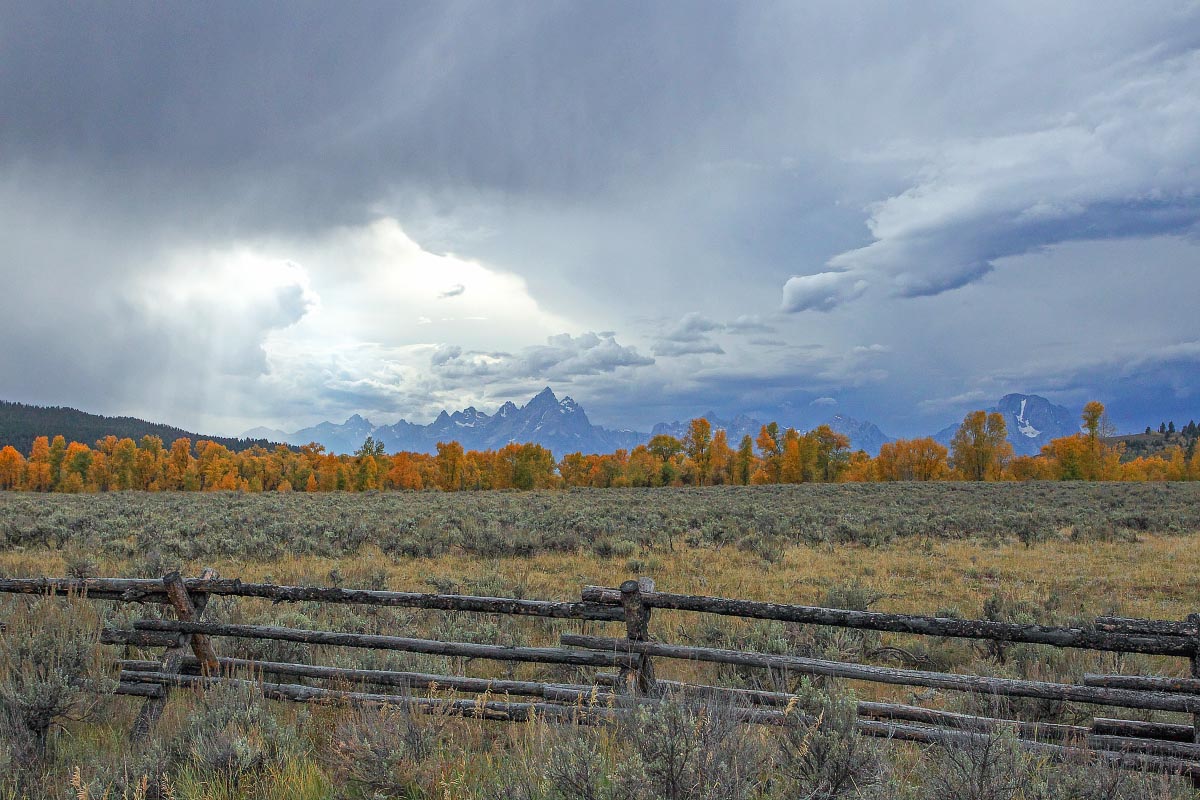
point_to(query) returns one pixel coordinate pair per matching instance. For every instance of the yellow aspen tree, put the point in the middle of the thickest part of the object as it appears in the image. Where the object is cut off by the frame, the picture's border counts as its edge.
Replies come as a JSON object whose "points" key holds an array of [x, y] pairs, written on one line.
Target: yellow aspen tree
{"points": [[980, 449], [37, 471], [12, 468], [698, 446]]}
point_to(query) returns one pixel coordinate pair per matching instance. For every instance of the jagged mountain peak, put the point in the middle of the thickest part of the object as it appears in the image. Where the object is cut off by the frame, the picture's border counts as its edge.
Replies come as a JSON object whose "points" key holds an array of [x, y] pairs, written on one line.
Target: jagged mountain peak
{"points": [[543, 400], [559, 425]]}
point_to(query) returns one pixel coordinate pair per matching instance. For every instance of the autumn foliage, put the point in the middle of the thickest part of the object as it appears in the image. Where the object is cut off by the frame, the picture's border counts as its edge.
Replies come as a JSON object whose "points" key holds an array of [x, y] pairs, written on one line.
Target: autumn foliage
{"points": [[979, 451]]}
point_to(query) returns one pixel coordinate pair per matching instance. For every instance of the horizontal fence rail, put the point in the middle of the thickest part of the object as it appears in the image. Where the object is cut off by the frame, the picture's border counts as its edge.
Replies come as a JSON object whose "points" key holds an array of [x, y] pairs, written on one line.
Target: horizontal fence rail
{"points": [[1143, 730], [495, 652], [145, 590], [1153, 626], [1157, 643], [480, 709], [379, 677], [1011, 687], [1151, 684]]}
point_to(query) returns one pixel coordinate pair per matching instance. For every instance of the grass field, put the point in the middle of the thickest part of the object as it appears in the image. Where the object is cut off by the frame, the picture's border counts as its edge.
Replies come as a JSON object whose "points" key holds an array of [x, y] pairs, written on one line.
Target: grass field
{"points": [[1052, 553]]}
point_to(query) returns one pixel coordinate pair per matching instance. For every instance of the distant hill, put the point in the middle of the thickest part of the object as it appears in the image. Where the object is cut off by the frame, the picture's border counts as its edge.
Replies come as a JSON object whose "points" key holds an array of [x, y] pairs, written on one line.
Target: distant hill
{"points": [[1032, 422], [20, 424], [1146, 445]]}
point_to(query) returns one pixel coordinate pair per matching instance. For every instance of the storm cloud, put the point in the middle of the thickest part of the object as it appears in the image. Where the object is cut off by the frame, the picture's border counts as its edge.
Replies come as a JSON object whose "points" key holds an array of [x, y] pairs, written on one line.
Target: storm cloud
{"points": [[234, 214]]}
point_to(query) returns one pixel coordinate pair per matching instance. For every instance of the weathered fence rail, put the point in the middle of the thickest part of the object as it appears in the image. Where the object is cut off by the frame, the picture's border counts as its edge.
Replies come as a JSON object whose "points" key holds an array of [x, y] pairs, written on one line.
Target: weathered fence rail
{"points": [[147, 590], [1010, 687], [496, 652], [190, 658], [1175, 644]]}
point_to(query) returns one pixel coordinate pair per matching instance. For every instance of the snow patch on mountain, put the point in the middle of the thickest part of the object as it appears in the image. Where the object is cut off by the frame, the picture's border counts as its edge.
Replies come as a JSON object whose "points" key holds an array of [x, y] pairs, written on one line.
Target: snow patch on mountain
{"points": [[1023, 425]]}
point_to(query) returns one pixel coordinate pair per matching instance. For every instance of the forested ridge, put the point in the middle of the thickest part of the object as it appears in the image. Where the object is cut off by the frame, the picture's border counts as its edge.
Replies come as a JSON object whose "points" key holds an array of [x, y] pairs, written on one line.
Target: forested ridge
{"points": [[20, 424]]}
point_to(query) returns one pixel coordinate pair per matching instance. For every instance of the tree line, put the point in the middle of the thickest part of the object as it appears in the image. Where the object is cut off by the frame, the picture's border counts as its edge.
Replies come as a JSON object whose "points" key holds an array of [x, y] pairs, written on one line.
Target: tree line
{"points": [[979, 451]]}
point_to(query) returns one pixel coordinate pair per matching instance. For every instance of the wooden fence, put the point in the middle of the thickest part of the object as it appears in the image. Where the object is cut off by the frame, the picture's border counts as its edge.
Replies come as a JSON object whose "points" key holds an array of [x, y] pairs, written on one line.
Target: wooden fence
{"points": [[190, 659]]}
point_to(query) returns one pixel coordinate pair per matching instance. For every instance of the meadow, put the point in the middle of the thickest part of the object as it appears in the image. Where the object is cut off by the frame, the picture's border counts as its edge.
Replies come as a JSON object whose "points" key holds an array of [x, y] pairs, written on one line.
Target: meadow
{"points": [[1037, 552]]}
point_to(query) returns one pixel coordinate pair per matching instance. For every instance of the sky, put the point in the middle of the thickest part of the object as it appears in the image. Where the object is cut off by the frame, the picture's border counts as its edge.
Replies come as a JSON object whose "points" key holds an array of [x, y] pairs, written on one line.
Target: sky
{"points": [[233, 214]]}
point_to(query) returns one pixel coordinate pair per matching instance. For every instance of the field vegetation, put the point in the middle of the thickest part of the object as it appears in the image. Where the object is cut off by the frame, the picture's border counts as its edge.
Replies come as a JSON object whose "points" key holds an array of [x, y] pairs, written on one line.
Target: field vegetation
{"points": [[1048, 552]]}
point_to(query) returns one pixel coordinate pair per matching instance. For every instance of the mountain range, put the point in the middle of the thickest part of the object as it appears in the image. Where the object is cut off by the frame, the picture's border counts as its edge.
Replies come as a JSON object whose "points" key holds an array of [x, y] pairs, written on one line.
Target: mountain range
{"points": [[562, 426]]}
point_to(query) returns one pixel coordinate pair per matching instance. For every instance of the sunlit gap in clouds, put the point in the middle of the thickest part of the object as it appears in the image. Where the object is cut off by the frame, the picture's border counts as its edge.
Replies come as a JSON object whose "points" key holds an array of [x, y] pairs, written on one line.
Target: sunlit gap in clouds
{"points": [[356, 319]]}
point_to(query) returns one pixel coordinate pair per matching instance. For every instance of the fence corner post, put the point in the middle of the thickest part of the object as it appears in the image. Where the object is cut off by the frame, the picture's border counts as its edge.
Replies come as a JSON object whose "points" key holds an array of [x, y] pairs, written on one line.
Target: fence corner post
{"points": [[186, 609], [639, 680]]}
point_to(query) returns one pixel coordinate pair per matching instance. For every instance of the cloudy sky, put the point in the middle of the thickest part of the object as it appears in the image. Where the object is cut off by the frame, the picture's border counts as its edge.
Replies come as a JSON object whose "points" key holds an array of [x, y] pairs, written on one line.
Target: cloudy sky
{"points": [[229, 214]]}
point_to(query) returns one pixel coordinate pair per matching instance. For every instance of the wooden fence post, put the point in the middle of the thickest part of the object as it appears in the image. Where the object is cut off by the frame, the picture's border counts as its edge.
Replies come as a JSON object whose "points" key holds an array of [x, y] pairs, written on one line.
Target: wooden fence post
{"points": [[639, 680], [188, 608], [1194, 619]]}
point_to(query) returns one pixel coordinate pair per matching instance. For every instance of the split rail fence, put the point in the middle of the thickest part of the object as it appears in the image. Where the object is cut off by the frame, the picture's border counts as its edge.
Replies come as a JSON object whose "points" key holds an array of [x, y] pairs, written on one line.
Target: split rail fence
{"points": [[190, 659]]}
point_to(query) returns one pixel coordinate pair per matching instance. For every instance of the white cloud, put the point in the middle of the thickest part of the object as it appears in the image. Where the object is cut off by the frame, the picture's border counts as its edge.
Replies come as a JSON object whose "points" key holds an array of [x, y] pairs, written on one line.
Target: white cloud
{"points": [[823, 291], [563, 357], [749, 324], [689, 336], [692, 327], [226, 303]]}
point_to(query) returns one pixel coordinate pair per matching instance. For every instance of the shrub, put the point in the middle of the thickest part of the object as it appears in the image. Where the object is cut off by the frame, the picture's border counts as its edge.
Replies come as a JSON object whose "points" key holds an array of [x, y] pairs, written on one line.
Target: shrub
{"points": [[683, 750], [50, 665], [827, 758], [987, 766], [382, 752], [231, 735]]}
